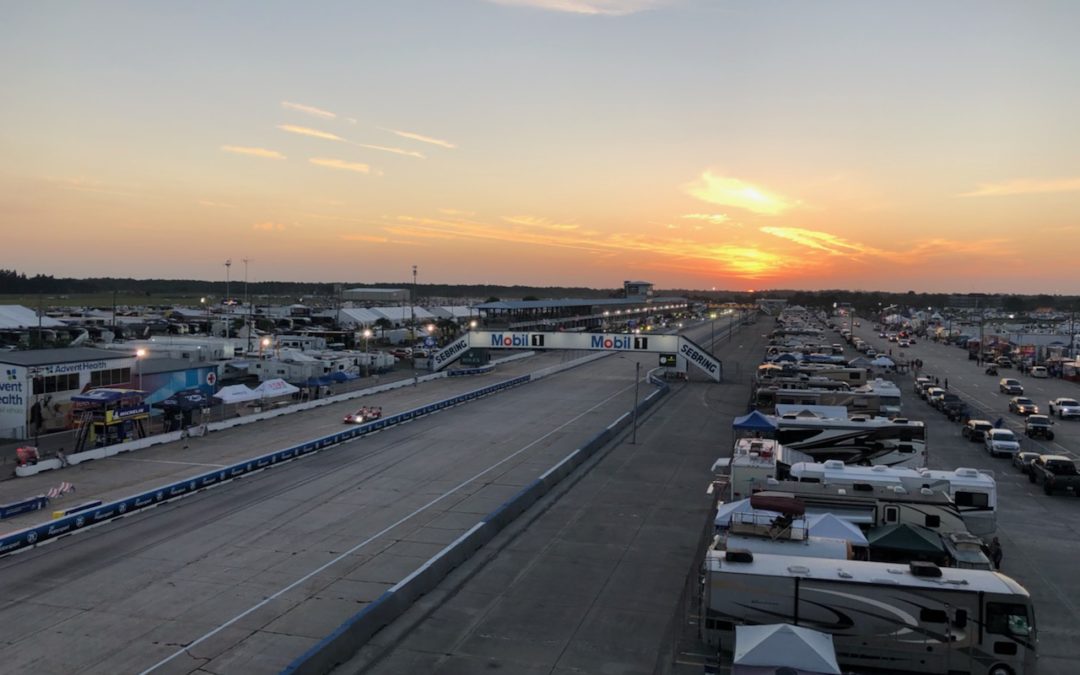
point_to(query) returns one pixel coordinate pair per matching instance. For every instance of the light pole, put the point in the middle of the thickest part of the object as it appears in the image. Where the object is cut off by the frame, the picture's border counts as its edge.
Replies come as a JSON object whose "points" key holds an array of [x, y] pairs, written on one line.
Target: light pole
{"points": [[367, 356], [412, 308], [247, 322], [712, 331], [139, 354], [731, 325], [228, 298], [637, 381]]}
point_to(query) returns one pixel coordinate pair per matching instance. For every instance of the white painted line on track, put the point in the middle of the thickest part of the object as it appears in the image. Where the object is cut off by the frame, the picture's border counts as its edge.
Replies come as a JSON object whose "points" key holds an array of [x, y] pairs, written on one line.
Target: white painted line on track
{"points": [[370, 539]]}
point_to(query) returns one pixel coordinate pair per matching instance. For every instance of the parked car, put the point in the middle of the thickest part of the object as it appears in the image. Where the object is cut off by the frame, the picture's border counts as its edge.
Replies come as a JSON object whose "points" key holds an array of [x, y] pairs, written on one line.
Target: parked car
{"points": [[1055, 472], [950, 404], [1009, 385], [1001, 442], [1039, 425], [1023, 460], [975, 430], [1064, 407], [1004, 362], [1022, 405], [933, 394], [903, 343], [922, 381], [1039, 371]]}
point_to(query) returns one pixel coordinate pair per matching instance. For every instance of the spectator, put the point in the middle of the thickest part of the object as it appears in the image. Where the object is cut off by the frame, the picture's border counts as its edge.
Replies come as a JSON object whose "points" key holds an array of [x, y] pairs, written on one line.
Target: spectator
{"points": [[996, 553]]}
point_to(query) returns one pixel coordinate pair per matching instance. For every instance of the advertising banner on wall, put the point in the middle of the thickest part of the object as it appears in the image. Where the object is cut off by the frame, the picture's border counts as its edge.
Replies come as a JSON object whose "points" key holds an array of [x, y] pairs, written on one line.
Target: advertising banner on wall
{"points": [[14, 401]]}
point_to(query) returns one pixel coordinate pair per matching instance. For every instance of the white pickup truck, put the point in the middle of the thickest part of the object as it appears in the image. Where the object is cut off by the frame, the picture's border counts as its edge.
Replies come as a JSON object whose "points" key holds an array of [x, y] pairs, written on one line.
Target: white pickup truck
{"points": [[1064, 407]]}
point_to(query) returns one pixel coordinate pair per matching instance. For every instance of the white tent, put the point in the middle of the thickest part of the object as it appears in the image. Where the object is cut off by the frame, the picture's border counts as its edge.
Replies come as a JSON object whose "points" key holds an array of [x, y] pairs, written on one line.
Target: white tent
{"points": [[236, 393], [828, 525], [884, 362], [275, 387], [781, 645]]}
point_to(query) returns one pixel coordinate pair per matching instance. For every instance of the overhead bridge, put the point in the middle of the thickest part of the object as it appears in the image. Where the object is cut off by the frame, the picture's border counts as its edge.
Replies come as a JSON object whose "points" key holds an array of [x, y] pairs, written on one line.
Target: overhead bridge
{"points": [[675, 350]]}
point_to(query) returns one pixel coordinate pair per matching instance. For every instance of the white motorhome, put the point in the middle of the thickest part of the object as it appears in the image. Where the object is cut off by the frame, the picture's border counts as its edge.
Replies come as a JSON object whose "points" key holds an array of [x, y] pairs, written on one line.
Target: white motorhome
{"points": [[882, 616], [855, 440], [974, 492], [875, 505]]}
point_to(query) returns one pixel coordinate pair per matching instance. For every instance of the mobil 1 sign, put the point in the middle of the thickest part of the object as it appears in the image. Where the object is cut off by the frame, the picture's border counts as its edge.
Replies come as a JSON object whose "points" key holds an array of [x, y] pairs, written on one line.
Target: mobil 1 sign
{"points": [[614, 342]]}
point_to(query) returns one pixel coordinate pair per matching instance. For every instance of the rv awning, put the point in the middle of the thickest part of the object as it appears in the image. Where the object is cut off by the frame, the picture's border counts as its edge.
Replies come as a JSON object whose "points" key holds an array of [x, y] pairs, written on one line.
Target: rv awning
{"points": [[784, 646], [724, 512]]}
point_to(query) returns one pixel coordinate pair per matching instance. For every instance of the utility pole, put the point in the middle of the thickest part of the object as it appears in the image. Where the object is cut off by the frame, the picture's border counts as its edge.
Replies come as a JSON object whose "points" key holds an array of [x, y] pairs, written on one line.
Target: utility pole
{"points": [[637, 381]]}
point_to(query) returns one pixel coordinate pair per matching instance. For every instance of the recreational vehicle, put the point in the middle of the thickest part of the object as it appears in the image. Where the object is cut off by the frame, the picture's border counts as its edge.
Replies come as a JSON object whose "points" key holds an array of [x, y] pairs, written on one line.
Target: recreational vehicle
{"points": [[882, 616], [974, 492], [855, 440]]}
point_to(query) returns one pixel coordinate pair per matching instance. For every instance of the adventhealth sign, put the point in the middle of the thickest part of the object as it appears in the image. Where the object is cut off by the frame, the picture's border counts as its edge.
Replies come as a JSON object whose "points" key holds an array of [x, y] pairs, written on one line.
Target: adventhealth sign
{"points": [[608, 342]]}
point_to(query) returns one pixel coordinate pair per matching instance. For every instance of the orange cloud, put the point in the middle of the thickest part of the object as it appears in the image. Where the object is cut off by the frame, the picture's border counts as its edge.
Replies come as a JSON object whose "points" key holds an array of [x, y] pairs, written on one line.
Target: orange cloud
{"points": [[822, 241], [714, 218], [592, 7], [268, 227], [742, 260], [1025, 187], [533, 221], [314, 133], [396, 151], [421, 138], [340, 164], [726, 191], [253, 152], [308, 109]]}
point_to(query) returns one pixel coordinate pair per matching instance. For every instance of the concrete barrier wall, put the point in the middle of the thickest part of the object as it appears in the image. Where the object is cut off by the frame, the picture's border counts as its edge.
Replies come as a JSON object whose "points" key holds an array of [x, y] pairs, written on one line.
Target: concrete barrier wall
{"points": [[346, 640], [64, 525], [23, 506]]}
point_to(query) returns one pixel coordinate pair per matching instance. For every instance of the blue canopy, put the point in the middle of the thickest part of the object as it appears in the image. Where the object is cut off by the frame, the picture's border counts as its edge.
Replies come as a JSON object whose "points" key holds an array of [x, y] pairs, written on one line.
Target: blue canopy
{"points": [[318, 381], [342, 376], [755, 421]]}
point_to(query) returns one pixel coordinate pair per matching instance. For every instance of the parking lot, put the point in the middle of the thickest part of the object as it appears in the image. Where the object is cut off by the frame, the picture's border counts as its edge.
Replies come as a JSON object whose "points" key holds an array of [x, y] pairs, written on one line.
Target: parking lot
{"points": [[1040, 534]]}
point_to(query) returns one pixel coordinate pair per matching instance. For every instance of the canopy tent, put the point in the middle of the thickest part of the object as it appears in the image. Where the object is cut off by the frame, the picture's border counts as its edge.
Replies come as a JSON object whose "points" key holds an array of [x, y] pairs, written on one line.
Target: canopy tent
{"points": [[783, 646], [276, 387], [883, 361], [828, 525], [860, 362], [189, 399], [755, 421], [787, 356], [236, 393], [905, 538], [342, 376]]}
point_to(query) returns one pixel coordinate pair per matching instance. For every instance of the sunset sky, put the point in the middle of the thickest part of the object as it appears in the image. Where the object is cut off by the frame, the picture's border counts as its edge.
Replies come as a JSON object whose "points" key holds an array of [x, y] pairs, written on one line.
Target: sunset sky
{"points": [[726, 144]]}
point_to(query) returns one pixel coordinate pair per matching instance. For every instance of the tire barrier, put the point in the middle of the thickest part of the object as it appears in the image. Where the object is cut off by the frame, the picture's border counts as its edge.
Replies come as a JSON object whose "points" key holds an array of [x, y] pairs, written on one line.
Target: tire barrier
{"points": [[98, 513], [346, 640]]}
